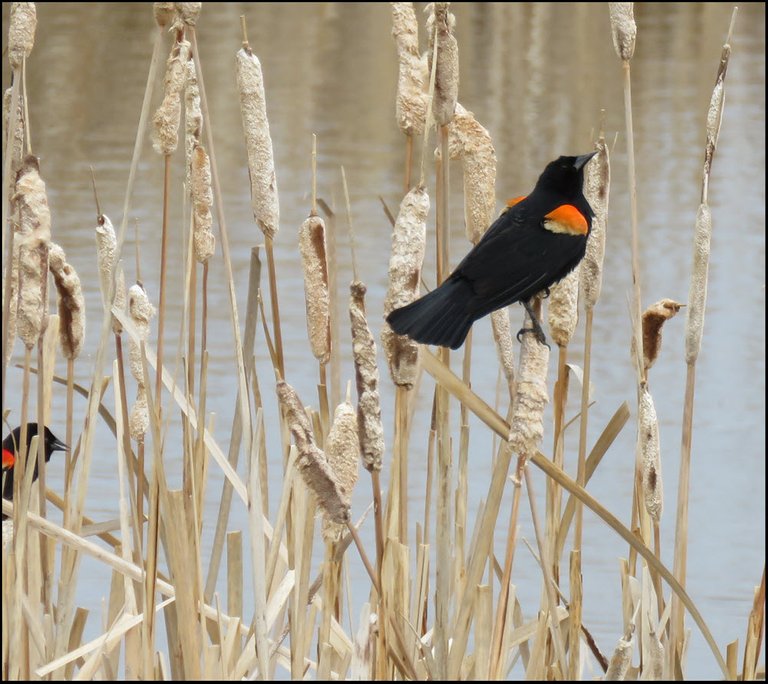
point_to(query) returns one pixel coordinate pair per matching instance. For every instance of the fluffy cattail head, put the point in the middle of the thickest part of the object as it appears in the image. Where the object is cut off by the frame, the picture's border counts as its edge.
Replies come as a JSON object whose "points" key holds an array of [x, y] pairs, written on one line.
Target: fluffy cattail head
{"points": [[164, 12], [189, 12], [440, 23], [408, 246], [563, 309], [650, 455], [654, 318], [70, 302], [21, 32], [343, 450], [316, 296], [202, 199], [411, 102], [597, 183], [312, 463], [258, 143], [369, 426], [165, 131], [623, 28], [141, 311], [106, 251]]}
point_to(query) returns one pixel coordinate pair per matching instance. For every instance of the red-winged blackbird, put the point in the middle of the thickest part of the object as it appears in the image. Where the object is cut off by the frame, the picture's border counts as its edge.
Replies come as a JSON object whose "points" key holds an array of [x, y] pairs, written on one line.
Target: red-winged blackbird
{"points": [[11, 452], [535, 242]]}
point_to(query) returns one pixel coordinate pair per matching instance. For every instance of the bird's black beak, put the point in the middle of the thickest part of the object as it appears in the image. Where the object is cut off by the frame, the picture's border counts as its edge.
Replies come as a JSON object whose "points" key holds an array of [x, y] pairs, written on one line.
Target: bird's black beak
{"points": [[581, 161], [57, 445]]}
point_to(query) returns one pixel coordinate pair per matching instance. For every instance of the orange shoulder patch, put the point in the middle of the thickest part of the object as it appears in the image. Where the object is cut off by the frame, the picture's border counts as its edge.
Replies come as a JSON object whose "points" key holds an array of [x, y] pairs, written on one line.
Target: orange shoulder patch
{"points": [[566, 219], [512, 202], [8, 459]]}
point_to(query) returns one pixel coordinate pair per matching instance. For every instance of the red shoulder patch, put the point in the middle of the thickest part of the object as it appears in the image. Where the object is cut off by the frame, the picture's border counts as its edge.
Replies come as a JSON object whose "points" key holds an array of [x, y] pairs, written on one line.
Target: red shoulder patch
{"points": [[566, 219], [8, 459], [512, 202]]}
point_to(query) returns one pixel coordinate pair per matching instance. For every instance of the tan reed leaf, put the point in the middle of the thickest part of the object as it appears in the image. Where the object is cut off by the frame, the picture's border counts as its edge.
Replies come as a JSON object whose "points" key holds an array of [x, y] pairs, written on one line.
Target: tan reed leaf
{"points": [[370, 428], [316, 297], [408, 246], [258, 143], [71, 303]]}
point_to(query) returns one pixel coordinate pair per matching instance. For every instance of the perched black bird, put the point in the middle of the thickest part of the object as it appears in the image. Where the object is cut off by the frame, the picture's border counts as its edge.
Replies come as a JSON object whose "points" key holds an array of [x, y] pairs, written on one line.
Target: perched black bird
{"points": [[535, 242], [11, 452]]}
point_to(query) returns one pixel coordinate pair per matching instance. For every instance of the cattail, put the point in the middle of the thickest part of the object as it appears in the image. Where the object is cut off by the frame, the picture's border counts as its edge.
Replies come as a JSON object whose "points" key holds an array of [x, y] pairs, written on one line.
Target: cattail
{"points": [[315, 265], [563, 310], [193, 118], [165, 133], [502, 335], [34, 237], [164, 13], [312, 463], [189, 12], [623, 29], [106, 251], [650, 455], [17, 146], [440, 23], [653, 665], [597, 183], [653, 319], [258, 143], [343, 450], [21, 32], [620, 661], [141, 312], [527, 424], [369, 426], [138, 421], [202, 199], [470, 142], [71, 304], [411, 102], [408, 246]]}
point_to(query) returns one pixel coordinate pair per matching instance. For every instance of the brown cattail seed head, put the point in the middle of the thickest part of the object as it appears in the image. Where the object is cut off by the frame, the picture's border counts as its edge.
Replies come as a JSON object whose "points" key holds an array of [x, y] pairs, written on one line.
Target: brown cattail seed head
{"points": [[343, 450], [653, 319], [563, 310], [164, 12], [650, 454], [70, 302], [623, 28], [312, 463], [315, 266], [411, 102], [440, 23], [258, 143], [34, 236], [469, 141], [21, 32], [408, 246], [141, 312], [202, 199], [165, 132], [527, 424], [369, 426]]}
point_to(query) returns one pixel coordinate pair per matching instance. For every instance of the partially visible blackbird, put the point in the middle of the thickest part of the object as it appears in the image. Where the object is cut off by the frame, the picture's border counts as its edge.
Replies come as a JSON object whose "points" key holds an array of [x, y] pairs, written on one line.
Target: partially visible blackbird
{"points": [[537, 241], [11, 454]]}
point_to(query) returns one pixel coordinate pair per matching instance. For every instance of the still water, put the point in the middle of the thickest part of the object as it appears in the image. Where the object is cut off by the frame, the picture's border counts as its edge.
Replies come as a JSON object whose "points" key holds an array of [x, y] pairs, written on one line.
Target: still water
{"points": [[537, 76]]}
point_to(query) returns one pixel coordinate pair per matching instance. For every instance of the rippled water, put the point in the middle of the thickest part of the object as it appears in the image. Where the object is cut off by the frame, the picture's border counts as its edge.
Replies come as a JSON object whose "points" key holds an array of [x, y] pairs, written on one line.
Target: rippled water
{"points": [[537, 76]]}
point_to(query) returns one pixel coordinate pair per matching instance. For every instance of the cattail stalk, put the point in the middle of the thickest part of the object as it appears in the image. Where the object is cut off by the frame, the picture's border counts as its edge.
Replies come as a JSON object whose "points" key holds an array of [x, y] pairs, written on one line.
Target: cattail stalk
{"points": [[694, 329]]}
